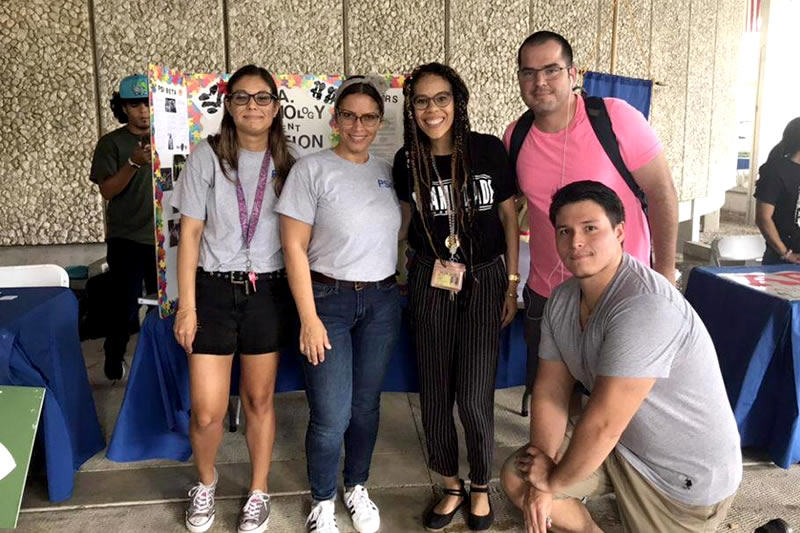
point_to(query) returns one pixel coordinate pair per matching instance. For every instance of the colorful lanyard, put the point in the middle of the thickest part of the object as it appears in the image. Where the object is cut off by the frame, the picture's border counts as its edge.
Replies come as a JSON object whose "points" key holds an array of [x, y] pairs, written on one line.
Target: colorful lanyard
{"points": [[249, 223]]}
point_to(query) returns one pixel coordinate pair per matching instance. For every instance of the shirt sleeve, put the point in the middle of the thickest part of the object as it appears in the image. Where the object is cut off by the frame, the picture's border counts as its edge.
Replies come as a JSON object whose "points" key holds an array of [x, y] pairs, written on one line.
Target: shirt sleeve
{"points": [[502, 182], [548, 349], [643, 336], [194, 183], [104, 161], [299, 196], [638, 142], [768, 187], [507, 135], [400, 176]]}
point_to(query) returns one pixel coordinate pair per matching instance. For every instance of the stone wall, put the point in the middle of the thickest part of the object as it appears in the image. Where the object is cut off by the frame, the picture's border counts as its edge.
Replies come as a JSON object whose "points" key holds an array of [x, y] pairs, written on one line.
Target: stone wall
{"points": [[62, 60]]}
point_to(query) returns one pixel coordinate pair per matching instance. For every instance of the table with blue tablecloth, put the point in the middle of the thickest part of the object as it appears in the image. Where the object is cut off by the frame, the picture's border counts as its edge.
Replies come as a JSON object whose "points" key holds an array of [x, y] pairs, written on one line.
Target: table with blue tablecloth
{"points": [[153, 422], [40, 347], [753, 316]]}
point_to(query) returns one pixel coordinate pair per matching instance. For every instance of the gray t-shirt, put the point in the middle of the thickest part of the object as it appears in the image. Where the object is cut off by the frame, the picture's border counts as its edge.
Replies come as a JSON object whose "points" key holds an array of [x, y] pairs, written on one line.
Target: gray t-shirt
{"points": [[204, 193], [354, 213], [683, 438]]}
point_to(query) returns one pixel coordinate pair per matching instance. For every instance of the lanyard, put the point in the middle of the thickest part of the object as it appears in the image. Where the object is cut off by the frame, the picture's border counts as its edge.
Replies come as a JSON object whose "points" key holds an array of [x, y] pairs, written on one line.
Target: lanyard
{"points": [[451, 242], [249, 223]]}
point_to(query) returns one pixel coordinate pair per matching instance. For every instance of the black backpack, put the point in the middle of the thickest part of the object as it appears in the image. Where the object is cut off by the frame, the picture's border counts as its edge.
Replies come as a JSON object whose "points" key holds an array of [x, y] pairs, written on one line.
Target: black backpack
{"points": [[601, 124]]}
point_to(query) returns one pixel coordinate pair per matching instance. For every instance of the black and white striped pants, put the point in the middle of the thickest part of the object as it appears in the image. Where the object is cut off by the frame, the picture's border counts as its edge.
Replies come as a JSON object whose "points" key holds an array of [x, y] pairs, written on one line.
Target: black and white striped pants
{"points": [[457, 345]]}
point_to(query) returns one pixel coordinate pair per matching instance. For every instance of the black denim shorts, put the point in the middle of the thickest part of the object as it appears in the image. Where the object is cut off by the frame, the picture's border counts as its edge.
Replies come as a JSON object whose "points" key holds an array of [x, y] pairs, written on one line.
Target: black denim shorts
{"points": [[232, 318]]}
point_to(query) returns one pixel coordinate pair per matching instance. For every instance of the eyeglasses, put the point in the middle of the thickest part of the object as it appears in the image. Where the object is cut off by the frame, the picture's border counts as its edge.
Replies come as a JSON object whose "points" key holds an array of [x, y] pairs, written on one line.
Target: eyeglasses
{"points": [[262, 98], [549, 73], [441, 99], [348, 118]]}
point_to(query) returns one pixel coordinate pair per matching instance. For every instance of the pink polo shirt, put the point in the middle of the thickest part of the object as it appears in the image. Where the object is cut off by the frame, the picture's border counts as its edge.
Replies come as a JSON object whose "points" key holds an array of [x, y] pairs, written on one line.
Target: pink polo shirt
{"points": [[539, 170]]}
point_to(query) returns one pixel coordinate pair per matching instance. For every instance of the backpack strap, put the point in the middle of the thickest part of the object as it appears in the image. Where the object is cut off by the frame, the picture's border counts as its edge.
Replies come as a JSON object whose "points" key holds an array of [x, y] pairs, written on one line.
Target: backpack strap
{"points": [[521, 130], [601, 124]]}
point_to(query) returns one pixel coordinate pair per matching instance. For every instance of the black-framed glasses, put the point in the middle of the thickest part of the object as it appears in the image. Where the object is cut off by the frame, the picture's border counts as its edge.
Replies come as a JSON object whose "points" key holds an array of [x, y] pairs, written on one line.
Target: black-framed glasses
{"points": [[550, 72], [262, 98], [441, 99], [348, 118]]}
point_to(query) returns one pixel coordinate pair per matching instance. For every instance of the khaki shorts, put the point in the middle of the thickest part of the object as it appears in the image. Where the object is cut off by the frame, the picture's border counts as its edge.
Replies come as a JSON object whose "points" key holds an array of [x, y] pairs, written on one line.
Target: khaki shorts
{"points": [[642, 507]]}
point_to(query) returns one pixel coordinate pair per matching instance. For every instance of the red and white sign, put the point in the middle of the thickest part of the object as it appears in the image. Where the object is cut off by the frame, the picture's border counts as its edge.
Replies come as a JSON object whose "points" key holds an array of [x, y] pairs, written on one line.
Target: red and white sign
{"points": [[784, 284]]}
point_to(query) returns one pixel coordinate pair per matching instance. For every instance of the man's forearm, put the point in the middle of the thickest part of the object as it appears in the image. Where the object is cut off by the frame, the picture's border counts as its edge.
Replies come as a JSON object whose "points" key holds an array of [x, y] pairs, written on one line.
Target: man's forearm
{"points": [[588, 448], [116, 183], [548, 424], [664, 225]]}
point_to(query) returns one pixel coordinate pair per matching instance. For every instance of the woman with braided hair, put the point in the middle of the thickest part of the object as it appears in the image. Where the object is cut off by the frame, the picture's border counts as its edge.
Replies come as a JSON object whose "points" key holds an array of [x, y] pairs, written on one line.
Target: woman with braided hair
{"points": [[456, 191]]}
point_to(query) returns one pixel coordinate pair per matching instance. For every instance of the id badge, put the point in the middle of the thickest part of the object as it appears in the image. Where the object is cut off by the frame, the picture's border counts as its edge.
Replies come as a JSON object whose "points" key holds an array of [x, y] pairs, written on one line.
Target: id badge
{"points": [[448, 275]]}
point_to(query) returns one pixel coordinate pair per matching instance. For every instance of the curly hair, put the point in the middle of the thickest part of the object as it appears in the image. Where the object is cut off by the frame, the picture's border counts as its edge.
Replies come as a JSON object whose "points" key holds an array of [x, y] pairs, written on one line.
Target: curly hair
{"points": [[419, 158], [116, 108]]}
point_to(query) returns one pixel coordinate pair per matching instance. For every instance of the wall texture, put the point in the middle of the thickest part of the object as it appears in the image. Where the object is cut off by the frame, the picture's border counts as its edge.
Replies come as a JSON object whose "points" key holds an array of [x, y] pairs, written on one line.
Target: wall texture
{"points": [[62, 60]]}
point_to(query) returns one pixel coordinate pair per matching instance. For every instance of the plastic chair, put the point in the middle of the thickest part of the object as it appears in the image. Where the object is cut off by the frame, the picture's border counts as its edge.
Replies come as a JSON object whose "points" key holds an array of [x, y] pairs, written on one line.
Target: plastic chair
{"points": [[33, 276], [738, 248]]}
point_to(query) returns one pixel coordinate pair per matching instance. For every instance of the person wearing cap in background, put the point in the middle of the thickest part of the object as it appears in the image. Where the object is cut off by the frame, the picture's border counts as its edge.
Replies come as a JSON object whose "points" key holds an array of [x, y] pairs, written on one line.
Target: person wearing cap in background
{"points": [[121, 169], [340, 220]]}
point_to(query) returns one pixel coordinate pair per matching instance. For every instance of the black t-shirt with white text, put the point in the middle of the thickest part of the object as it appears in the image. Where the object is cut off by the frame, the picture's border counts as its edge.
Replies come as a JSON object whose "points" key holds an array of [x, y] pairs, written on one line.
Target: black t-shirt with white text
{"points": [[491, 184], [778, 184]]}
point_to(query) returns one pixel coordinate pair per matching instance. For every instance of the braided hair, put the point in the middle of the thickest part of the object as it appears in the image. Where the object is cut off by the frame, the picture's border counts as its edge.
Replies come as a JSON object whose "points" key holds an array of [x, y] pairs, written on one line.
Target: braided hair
{"points": [[419, 158]]}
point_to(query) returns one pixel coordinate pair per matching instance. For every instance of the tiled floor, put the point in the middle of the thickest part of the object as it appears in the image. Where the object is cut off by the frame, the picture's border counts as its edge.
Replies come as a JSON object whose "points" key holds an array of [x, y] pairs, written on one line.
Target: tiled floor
{"points": [[149, 496]]}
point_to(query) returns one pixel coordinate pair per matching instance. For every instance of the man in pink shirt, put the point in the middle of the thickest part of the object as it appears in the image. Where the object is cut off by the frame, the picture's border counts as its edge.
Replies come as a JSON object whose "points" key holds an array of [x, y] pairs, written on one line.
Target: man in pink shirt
{"points": [[560, 148]]}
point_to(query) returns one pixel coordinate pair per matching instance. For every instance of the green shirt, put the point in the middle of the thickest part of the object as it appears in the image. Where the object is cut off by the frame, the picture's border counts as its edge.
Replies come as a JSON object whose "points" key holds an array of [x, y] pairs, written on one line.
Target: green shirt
{"points": [[130, 213]]}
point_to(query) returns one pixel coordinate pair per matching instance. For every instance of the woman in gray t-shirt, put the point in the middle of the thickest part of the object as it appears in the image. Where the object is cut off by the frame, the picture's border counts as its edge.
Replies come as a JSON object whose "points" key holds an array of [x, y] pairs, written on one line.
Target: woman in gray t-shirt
{"points": [[232, 286], [339, 224]]}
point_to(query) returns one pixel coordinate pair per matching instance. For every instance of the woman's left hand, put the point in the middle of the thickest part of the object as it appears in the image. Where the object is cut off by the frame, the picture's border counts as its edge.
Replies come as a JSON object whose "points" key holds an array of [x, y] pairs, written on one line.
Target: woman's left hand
{"points": [[509, 306]]}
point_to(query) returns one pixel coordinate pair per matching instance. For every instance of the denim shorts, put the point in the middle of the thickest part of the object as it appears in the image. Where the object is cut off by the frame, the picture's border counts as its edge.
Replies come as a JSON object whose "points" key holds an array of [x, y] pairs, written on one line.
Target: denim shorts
{"points": [[232, 318]]}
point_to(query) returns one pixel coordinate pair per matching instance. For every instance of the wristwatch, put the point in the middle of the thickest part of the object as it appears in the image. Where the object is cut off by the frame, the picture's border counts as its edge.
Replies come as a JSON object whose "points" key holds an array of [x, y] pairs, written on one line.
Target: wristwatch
{"points": [[513, 277], [134, 165]]}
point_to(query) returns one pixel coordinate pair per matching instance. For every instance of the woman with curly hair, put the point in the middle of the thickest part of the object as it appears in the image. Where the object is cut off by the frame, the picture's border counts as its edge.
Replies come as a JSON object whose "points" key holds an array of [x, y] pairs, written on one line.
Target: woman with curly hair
{"points": [[456, 191]]}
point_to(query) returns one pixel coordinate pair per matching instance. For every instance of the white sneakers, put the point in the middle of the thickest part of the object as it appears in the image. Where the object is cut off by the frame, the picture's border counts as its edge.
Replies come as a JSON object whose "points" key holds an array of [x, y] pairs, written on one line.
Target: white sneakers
{"points": [[363, 511], [322, 518]]}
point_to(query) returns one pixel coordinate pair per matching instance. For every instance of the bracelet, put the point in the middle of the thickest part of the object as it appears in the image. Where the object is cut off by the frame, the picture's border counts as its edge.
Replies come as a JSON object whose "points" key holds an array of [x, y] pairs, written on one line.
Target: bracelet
{"points": [[134, 165], [787, 254], [513, 277], [186, 310], [511, 295]]}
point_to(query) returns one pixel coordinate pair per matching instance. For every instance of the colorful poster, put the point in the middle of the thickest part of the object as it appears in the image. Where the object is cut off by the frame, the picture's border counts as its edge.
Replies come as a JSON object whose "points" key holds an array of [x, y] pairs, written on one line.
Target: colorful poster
{"points": [[185, 108]]}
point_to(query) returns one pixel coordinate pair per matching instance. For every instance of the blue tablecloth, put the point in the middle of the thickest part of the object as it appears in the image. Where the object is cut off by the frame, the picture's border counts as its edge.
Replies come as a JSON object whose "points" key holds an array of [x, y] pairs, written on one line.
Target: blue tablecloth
{"points": [[39, 347], [757, 337], [153, 422]]}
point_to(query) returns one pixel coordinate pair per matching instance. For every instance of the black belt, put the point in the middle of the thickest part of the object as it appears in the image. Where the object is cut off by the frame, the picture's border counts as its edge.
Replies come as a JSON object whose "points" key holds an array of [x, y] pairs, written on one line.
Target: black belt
{"points": [[354, 285], [240, 277]]}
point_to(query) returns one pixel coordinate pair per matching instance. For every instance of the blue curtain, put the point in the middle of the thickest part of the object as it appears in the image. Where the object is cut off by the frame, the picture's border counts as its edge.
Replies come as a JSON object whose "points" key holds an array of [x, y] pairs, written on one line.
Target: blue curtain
{"points": [[633, 90]]}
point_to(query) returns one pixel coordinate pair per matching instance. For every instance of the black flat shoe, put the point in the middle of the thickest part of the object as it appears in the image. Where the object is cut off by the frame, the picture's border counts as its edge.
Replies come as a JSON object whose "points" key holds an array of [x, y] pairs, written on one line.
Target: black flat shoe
{"points": [[775, 526], [480, 522], [434, 521]]}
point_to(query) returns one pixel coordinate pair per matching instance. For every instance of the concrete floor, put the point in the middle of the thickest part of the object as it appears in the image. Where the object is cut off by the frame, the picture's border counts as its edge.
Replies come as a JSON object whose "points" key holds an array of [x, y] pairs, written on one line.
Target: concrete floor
{"points": [[151, 495]]}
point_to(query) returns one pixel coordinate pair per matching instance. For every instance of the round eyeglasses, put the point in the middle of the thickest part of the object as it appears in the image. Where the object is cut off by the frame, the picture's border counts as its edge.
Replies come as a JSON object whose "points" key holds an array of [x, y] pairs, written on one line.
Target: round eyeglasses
{"points": [[441, 99]]}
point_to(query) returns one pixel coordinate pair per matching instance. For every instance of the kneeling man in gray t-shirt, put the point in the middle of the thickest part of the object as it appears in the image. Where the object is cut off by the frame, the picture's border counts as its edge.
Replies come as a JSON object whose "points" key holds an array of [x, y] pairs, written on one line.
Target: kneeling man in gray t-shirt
{"points": [[657, 429]]}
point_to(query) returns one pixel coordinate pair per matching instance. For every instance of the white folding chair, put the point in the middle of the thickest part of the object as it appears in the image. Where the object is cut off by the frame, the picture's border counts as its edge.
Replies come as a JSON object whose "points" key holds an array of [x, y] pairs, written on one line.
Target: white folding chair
{"points": [[33, 276], [737, 248]]}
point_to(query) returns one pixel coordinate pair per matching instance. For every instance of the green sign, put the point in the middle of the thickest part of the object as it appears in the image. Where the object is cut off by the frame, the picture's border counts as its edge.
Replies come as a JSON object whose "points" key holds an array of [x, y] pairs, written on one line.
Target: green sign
{"points": [[19, 418]]}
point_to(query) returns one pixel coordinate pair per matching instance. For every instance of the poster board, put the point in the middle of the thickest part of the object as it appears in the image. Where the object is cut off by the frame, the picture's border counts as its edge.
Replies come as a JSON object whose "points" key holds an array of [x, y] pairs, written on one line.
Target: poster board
{"points": [[20, 408], [185, 108]]}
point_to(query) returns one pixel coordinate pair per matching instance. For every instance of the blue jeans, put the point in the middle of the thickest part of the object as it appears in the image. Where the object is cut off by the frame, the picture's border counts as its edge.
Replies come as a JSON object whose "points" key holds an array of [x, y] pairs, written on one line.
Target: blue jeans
{"points": [[344, 391]]}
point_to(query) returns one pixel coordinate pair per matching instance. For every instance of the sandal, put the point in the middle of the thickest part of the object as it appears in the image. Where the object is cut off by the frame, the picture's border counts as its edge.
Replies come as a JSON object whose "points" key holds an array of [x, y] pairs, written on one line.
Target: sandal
{"points": [[480, 522]]}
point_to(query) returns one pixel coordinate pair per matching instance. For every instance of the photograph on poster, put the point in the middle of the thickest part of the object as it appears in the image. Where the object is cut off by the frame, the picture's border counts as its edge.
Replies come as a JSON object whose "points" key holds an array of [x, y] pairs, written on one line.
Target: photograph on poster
{"points": [[178, 162], [174, 232], [165, 179], [169, 105]]}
